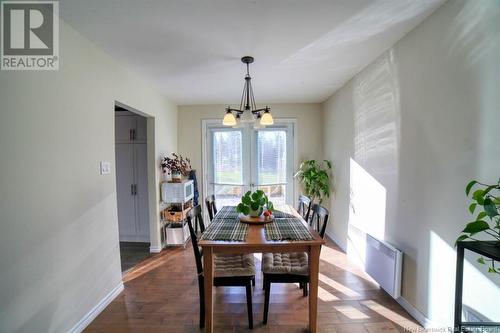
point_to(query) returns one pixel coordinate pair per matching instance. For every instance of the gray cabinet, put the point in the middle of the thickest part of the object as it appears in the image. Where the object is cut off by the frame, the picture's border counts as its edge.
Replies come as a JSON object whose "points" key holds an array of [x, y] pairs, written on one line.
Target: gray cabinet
{"points": [[131, 178]]}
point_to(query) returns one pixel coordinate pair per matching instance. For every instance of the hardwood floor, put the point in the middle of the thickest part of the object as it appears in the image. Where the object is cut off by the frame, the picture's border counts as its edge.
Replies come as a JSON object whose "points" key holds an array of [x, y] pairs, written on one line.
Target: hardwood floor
{"points": [[161, 295]]}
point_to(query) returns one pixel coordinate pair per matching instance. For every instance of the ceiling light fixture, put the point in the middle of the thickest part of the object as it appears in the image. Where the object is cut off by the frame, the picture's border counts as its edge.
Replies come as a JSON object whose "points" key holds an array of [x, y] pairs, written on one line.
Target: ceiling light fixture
{"points": [[247, 104]]}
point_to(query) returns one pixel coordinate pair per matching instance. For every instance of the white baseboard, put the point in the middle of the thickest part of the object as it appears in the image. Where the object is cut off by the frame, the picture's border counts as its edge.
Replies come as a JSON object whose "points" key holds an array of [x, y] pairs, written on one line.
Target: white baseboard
{"points": [[423, 320], [342, 246], [155, 249], [96, 310]]}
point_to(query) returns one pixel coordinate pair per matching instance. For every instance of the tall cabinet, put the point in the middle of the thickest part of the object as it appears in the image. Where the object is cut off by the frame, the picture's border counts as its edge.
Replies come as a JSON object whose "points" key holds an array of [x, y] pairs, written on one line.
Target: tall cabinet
{"points": [[131, 177]]}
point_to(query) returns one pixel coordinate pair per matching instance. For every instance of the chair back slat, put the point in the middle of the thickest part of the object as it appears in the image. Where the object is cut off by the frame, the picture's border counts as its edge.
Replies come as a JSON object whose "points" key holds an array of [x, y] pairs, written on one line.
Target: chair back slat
{"points": [[211, 206], [191, 216], [304, 207], [197, 213], [319, 219]]}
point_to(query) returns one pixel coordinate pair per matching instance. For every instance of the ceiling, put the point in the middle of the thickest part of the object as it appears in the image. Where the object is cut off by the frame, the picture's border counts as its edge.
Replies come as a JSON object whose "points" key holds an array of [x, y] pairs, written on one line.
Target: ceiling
{"points": [[191, 49]]}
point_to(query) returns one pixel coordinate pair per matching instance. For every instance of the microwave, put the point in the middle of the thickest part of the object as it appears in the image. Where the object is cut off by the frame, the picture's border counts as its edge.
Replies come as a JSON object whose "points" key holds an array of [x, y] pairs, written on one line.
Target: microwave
{"points": [[177, 192]]}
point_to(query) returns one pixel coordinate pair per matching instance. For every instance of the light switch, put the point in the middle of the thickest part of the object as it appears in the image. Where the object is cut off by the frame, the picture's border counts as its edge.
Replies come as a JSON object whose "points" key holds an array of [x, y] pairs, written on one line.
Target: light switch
{"points": [[105, 168]]}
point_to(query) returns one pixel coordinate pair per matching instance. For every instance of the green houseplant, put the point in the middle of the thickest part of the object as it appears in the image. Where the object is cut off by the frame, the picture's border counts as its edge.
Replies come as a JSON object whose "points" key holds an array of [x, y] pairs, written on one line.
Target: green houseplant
{"points": [[486, 200], [253, 204], [315, 177]]}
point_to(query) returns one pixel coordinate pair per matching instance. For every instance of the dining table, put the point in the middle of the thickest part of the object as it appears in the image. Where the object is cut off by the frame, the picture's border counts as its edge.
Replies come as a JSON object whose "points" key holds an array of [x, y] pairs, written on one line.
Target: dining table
{"points": [[253, 240]]}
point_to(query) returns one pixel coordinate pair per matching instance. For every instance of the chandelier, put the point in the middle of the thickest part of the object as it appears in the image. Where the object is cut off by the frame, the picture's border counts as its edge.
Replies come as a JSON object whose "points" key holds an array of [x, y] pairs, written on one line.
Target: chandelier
{"points": [[248, 112]]}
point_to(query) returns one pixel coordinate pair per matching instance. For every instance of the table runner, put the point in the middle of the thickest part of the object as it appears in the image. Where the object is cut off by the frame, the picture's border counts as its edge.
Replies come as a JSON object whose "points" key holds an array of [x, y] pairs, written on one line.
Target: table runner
{"points": [[283, 212], [227, 212], [223, 229], [290, 229]]}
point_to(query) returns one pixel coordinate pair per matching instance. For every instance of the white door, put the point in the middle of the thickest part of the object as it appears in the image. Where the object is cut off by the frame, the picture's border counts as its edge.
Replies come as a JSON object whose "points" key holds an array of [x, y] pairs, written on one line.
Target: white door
{"points": [[141, 192], [124, 154], [242, 159], [131, 178]]}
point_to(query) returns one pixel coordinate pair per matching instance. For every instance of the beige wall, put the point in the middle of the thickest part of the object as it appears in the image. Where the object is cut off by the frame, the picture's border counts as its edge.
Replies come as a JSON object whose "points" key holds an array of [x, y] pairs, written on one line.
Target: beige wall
{"points": [[419, 123], [309, 119], [59, 253]]}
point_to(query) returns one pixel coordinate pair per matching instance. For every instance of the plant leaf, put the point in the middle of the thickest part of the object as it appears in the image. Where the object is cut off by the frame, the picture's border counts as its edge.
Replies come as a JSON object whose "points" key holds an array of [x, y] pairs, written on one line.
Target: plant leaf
{"points": [[469, 186], [475, 227], [481, 216], [490, 208], [472, 207], [481, 260], [461, 238], [478, 196]]}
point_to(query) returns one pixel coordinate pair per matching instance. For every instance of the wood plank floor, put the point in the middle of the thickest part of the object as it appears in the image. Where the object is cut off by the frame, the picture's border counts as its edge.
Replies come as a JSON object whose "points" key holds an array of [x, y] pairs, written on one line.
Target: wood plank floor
{"points": [[161, 295]]}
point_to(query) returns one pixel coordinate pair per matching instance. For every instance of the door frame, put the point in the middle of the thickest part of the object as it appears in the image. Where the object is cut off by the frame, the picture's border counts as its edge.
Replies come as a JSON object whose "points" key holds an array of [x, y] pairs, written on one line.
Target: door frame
{"points": [[155, 245], [206, 123]]}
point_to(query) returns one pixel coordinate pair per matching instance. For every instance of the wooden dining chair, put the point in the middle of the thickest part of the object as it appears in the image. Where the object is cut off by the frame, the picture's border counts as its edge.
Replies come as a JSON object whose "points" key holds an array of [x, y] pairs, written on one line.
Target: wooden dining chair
{"points": [[197, 214], [304, 206], [231, 270], [319, 219], [291, 267], [211, 206]]}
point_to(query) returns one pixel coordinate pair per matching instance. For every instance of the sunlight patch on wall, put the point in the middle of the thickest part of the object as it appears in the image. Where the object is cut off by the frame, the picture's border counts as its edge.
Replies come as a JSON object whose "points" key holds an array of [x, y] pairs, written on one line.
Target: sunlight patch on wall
{"points": [[376, 116], [475, 31], [367, 206], [441, 281], [376, 18]]}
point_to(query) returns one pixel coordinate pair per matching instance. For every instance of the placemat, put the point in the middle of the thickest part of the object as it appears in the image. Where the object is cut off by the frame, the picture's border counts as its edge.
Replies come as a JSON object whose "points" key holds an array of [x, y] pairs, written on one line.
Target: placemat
{"points": [[290, 229], [225, 230], [227, 212], [281, 212]]}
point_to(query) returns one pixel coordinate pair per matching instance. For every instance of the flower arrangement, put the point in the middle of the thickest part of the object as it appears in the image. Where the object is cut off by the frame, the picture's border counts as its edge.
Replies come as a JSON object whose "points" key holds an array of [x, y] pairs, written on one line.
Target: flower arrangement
{"points": [[176, 165]]}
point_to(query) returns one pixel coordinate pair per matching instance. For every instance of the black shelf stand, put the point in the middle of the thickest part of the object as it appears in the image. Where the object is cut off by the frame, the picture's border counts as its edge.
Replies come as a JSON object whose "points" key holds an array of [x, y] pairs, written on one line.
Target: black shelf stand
{"points": [[490, 249]]}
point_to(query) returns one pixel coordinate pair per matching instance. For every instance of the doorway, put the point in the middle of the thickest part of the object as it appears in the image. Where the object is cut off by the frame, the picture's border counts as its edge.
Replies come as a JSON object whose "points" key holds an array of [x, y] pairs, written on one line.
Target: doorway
{"points": [[132, 186], [246, 159]]}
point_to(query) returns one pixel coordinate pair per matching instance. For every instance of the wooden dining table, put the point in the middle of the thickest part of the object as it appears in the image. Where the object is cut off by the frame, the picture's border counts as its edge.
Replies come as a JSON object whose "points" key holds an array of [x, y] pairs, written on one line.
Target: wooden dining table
{"points": [[256, 242]]}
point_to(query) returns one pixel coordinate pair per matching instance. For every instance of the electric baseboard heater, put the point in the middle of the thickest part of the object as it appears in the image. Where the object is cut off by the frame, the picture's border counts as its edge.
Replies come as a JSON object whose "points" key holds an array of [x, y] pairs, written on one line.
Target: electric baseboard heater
{"points": [[384, 263]]}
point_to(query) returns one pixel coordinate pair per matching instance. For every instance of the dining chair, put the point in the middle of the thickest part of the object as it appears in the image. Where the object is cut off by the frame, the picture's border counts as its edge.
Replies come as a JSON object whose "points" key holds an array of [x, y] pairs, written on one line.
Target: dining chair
{"points": [[211, 206], [229, 270], [304, 206], [291, 267], [197, 214]]}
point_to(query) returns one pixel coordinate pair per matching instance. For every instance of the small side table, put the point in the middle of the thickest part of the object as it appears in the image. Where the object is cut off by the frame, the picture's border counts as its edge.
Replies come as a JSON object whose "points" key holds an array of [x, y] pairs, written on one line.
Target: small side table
{"points": [[485, 248]]}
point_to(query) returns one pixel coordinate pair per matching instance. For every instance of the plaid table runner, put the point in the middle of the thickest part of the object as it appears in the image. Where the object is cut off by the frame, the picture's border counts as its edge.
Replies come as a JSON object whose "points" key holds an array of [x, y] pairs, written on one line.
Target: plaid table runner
{"points": [[223, 229], [227, 212], [287, 229], [283, 212]]}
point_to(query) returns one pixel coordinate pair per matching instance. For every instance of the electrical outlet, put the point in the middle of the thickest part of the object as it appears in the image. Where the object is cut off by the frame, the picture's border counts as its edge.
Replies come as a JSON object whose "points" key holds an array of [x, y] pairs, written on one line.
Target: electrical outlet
{"points": [[105, 168]]}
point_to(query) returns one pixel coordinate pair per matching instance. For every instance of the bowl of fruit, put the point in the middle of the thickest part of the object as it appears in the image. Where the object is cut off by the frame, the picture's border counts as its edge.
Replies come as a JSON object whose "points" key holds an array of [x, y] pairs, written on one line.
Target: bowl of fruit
{"points": [[255, 208]]}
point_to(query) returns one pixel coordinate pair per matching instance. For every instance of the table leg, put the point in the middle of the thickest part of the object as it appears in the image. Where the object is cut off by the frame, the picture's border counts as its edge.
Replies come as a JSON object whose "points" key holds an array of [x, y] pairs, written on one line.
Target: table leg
{"points": [[459, 288], [208, 272], [314, 252]]}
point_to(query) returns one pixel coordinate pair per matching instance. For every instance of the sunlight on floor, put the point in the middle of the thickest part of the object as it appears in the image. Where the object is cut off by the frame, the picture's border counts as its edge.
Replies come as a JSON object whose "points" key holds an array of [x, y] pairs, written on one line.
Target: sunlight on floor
{"points": [[326, 296], [338, 286], [330, 255], [351, 312], [392, 316], [141, 269]]}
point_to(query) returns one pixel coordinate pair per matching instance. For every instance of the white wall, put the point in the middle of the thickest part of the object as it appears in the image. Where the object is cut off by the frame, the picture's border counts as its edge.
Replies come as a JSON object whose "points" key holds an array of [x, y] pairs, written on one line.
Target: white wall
{"points": [[308, 131], [412, 129], [59, 253]]}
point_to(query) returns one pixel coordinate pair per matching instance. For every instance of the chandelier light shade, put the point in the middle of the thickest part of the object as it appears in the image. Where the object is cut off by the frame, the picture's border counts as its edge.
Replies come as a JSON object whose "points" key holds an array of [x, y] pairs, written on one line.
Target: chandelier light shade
{"points": [[248, 112], [266, 118], [229, 119]]}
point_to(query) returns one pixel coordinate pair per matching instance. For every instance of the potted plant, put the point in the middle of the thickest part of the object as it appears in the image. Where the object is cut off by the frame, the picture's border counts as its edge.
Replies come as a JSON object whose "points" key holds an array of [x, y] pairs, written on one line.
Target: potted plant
{"points": [[253, 204], [485, 200], [177, 166], [315, 178]]}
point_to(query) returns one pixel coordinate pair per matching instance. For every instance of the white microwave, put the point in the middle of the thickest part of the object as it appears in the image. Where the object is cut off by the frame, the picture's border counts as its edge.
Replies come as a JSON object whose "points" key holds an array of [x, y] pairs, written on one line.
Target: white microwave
{"points": [[177, 192]]}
